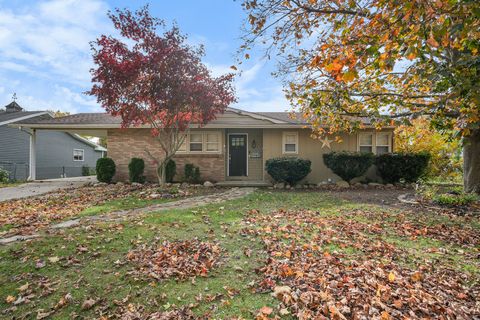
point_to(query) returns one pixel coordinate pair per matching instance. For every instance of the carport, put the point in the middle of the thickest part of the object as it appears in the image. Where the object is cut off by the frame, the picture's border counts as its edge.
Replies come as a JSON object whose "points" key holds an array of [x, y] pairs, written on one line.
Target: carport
{"points": [[78, 124]]}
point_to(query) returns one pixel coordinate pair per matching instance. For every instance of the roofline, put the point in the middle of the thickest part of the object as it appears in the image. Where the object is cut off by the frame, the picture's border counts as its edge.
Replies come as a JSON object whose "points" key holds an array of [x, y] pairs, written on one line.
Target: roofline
{"points": [[255, 115], [40, 113], [97, 147], [208, 126]]}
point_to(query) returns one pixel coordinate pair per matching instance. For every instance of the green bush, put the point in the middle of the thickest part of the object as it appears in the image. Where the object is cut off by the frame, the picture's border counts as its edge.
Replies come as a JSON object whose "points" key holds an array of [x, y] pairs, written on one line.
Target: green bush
{"points": [[450, 199], [105, 169], [348, 165], [192, 173], [288, 169], [87, 171], [407, 166], [136, 168], [4, 176], [170, 170]]}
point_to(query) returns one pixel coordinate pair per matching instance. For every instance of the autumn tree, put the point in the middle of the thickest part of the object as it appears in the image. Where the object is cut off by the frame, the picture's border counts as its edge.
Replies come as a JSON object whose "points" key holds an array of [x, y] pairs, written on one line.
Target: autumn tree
{"points": [[445, 151], [384, 60], [156, 80]]}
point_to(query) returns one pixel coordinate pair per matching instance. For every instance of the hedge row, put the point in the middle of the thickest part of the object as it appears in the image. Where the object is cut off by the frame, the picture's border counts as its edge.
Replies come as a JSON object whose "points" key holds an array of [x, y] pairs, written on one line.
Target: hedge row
{"points": [[392, 167]]}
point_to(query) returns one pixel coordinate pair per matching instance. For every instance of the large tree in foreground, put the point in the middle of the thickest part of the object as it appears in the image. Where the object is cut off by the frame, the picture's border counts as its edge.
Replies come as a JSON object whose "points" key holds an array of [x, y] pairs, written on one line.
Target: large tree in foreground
{"points": [[156, 80], [378, 59]]}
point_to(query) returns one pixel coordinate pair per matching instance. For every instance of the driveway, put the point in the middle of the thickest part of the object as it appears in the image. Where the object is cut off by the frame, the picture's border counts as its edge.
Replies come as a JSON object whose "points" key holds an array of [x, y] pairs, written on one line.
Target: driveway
{"points": [[40, 187]]}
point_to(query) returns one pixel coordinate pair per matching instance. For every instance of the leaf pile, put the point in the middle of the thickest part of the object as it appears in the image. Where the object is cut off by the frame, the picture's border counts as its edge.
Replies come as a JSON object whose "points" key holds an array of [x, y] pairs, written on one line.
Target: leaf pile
{"points": [[132, 312], [25, 216], [178, 259], [335, 268]]}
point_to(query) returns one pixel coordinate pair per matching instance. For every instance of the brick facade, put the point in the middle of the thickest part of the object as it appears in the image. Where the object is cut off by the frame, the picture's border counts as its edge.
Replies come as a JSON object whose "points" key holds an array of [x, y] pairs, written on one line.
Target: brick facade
{"points": [[125, 144]]}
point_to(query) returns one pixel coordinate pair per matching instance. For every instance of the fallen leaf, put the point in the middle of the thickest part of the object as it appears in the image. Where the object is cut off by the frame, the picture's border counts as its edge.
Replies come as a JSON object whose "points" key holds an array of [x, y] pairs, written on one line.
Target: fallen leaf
{"points": [[266, 310]]}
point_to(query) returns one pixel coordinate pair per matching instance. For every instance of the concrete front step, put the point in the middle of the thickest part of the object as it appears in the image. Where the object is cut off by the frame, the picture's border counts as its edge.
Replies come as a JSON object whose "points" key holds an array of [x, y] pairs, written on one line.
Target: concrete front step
{"points": [[243, 183]]}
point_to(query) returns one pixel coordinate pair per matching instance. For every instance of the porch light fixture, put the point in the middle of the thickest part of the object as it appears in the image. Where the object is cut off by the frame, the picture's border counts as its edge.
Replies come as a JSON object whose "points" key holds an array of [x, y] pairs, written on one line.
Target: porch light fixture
{"points": [[254, 144]]}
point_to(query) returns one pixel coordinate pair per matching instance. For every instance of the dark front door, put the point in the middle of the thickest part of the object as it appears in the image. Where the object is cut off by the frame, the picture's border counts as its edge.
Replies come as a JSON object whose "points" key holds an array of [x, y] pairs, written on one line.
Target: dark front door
{"points": [[237, 155]]}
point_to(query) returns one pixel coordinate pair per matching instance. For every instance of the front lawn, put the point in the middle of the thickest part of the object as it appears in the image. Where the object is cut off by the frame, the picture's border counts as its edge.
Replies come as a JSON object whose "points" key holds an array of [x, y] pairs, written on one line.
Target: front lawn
{"points": [[31, 215], [270, 254]]}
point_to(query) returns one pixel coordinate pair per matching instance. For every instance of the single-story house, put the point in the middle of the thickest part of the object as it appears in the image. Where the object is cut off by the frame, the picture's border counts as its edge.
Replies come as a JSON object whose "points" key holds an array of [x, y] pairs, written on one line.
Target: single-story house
{"points": [[232, 148], [55, 154]]}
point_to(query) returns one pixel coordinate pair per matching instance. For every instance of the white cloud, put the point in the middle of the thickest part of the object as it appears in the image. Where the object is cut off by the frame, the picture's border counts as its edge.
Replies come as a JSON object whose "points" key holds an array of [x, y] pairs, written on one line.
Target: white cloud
{"points": [[257, 90], [51, 39]]}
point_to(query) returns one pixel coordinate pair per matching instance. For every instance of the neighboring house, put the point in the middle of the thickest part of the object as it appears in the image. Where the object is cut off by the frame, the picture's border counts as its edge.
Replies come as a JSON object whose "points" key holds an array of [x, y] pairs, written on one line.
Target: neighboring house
{"points": [[57, 154], [234, 147]]}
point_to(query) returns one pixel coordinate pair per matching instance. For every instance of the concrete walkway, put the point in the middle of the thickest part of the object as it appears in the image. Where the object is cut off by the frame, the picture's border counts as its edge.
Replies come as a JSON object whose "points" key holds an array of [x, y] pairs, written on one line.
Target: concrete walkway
{"points": [[40, 187], [187, 203]]}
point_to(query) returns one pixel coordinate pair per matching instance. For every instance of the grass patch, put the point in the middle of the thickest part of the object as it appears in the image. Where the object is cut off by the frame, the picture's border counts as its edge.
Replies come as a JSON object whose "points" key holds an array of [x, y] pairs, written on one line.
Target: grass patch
{"points": [[130, 202], [10, 184]]}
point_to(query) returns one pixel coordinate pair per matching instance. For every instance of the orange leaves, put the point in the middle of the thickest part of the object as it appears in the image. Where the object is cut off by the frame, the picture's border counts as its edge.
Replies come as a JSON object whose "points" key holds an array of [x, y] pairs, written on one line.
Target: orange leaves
{"points": [[431, 41], [335, 67], [391, 277], [315, 284], [179, 259]]}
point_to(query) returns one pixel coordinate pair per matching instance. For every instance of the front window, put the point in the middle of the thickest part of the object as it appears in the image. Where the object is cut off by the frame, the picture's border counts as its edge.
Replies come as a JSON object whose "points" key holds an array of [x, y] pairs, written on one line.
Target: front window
{"points": [[78, 154], [196, 142], [212, 142], [366, 142], [383, 143], [290, 142]]}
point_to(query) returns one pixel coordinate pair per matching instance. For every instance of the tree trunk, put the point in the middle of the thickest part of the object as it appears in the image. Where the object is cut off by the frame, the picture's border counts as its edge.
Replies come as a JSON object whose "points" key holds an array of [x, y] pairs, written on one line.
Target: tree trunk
{"points": [[161, 172], [471, 162]]}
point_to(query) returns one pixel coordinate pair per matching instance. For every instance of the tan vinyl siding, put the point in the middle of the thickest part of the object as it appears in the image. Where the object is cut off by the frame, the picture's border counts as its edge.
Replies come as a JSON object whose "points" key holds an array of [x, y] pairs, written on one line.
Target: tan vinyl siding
{"points": [[308, 148]]}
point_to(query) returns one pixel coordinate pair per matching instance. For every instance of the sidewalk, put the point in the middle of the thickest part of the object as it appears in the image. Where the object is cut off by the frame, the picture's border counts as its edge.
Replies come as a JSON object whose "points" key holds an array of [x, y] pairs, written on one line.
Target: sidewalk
{"points": [[40, 187]]}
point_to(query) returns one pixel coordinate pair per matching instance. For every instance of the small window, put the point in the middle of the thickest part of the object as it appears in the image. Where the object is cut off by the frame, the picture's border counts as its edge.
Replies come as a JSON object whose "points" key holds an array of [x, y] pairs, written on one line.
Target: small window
{"points": [[383, 143], [78, 154], [196, 142], [366, 142], [238, 142], [290, 142], [212, 141]]}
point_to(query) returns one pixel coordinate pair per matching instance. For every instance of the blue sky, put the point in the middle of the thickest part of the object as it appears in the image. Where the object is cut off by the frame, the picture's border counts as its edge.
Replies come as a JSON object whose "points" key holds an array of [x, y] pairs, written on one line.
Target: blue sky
{"points": [[45, 56]]}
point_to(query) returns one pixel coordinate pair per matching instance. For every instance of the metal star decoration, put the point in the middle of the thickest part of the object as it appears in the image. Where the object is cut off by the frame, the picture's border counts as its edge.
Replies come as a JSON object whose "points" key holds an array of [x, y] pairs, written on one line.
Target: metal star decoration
{"points": [[326, 143]]}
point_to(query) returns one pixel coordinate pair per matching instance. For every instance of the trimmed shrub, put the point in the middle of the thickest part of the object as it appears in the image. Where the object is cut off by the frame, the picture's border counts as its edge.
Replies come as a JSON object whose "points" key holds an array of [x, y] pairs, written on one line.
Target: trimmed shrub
{"points": [[288, 169], [170, 170], [105, 169], [407, 166], [348, 165], [192, 173], [4, 176], [136, 168]]}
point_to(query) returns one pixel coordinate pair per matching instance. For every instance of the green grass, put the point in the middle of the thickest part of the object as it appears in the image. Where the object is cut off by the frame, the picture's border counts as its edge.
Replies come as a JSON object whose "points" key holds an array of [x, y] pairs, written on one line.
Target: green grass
{"points": [[10, 184], [102, 272], [130, 202]]}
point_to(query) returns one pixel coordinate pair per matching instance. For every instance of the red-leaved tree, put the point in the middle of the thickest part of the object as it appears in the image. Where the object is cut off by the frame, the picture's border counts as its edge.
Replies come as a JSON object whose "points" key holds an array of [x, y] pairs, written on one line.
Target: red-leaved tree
{"points": [[156, 80]]}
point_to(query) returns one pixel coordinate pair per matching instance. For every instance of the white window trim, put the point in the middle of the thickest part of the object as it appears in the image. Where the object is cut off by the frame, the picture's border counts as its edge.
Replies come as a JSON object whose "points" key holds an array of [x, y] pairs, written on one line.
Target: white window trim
{"points": [[83, 155], [284, 135], [204, 143], [374, 141]]}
